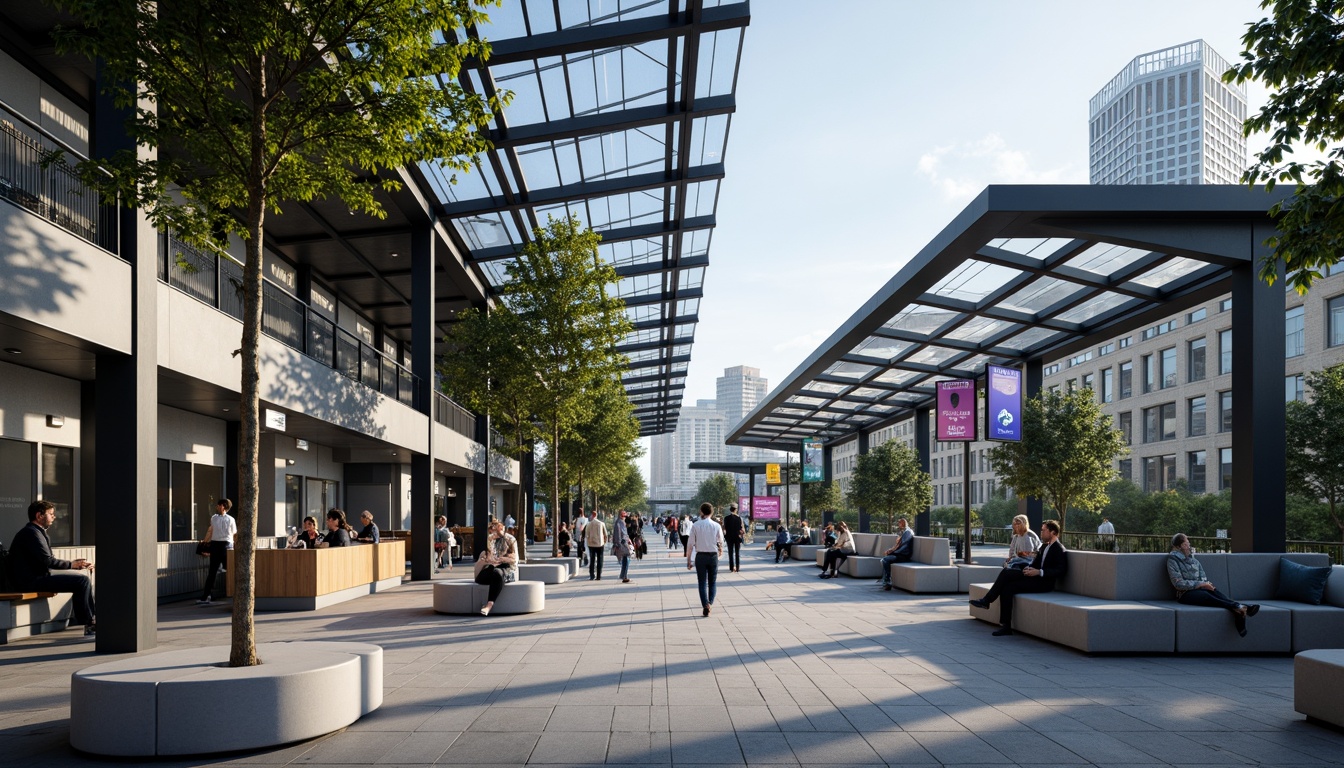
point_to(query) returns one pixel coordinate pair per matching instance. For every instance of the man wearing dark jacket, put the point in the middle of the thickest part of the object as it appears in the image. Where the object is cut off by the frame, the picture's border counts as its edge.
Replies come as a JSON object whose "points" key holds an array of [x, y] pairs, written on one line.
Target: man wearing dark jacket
{"points": [[732, 535], [1050, 565], [31, 565]]}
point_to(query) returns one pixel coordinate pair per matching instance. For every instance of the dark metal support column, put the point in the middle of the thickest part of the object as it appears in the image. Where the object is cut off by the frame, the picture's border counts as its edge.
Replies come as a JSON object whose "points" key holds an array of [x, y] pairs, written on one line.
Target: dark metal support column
{"points": [[126, 416], [922, 447], [827, 515], [864, 524], [1034, 379], [1258, 431], [480, 479], [966, 503], [422, 367], [528, 487]]}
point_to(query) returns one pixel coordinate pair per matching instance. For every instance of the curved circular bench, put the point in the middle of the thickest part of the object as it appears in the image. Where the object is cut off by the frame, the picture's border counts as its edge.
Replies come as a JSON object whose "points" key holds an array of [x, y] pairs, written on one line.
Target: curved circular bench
{"points": [[546, 573], [572, 563], [461, 596], [157, 704]]}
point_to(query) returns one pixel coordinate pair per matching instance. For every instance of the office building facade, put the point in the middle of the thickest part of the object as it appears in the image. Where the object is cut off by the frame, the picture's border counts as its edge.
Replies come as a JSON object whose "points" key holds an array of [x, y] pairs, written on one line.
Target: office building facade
{"points": [[698, 437]]}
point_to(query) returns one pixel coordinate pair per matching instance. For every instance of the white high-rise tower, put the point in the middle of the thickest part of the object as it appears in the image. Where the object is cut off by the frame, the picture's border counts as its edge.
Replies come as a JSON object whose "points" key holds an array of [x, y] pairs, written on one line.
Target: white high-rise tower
{"points": [[739, 390], [1168, 118]]}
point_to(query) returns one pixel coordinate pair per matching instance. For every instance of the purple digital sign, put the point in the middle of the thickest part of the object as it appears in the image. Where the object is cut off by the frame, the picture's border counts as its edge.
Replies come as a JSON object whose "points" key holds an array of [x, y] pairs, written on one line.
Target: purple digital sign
{"points": [[956, 410], [1003, 404], [765, 507]]}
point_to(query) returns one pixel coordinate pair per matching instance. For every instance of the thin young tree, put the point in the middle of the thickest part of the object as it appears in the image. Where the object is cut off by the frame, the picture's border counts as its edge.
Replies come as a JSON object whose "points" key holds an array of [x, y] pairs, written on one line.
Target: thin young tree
{"points": [[1066, 453], [557, 287], [1316, 442], [252, 104], [888, 480]]}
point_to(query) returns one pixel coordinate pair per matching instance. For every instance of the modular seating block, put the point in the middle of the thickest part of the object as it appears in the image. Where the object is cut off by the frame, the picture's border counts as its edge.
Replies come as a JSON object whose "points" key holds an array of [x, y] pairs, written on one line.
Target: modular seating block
{"points": [[546, 573], [974, 574], [20, 618], [1318, 677], [469, 597], [930, 568], [161, 703], [572, 563], [866, 562], [804, 552]]}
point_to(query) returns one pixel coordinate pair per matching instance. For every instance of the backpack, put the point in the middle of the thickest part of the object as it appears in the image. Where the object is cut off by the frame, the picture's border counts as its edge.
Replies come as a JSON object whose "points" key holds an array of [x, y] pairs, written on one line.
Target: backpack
{"points": [[4, 568]]}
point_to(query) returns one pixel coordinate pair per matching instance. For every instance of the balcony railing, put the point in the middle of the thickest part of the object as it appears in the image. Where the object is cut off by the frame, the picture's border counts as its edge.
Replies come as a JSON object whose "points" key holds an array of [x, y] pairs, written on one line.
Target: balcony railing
{"points": [[216, 279], [454, 416], [35, 177]]}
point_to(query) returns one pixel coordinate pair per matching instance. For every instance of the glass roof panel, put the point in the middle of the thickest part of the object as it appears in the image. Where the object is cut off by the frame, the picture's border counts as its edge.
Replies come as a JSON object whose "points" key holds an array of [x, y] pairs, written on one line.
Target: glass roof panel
{"points": [[1040, 293], [978, 329], [886, 349], [932, 355], [921, 319], [897, 377], [805, 400], [867, 392], [1164, 274], [1106, 259], [844, 405], [1094, 306], [1038, 248], [1029, 338], [845, 370], [974, 280], [828, 387]]}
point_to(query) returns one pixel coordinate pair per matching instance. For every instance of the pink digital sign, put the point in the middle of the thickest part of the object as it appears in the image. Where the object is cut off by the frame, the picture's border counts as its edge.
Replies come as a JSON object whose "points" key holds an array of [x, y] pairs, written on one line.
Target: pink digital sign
{"points": [[956, 410]]}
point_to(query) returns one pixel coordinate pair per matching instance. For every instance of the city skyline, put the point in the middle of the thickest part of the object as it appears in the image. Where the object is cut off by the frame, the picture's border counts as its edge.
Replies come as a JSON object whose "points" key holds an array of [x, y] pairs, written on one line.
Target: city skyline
{"points": [[869, 181]]}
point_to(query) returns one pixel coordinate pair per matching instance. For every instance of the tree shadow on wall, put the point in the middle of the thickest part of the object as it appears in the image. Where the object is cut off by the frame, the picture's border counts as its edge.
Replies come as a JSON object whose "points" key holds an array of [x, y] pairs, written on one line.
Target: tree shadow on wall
{"points": [[306, 386]]}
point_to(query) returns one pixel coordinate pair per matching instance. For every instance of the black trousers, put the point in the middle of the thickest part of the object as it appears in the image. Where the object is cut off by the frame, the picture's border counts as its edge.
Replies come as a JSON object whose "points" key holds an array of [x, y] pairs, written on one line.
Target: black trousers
{"points": [[595, 561], [1212, 598], [1012, 582], [219, 556], [833, 559], [578, 544], [734, 554], [78, 585], [493, 578], [782, 552]]}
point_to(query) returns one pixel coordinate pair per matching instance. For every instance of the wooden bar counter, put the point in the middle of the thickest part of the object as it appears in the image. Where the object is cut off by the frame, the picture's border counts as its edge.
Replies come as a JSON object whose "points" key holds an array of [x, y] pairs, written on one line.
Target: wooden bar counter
{"points": [[308, 579]]}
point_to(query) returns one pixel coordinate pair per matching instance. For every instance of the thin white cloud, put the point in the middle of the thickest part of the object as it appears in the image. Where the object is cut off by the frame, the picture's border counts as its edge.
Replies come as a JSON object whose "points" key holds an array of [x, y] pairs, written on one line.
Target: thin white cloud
{"points": [[962, 170]]}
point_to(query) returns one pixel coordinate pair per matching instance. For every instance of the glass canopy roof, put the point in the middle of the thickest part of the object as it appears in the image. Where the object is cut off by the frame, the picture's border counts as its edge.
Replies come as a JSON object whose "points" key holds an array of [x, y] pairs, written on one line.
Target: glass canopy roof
{"points": [[1025, 274], [620, 117]]}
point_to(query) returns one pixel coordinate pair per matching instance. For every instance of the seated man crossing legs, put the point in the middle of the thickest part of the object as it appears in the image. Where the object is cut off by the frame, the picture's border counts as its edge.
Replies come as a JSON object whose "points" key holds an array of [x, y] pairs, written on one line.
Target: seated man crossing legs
{"points": [[1049, 565], [901, 553]]}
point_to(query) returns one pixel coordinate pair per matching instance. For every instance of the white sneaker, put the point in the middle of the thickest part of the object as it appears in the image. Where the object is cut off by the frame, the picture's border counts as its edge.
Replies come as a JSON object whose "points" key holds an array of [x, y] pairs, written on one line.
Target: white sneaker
{"points": [[206, 601], [485, 611]]}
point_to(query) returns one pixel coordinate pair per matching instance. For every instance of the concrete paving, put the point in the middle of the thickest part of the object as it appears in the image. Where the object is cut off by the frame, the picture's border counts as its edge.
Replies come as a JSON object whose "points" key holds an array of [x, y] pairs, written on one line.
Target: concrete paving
{"points": [[789, 670]]}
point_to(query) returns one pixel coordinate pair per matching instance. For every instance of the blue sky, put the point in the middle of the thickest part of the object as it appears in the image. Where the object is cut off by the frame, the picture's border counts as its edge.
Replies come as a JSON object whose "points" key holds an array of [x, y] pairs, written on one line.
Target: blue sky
{"points": [[864, 126]]}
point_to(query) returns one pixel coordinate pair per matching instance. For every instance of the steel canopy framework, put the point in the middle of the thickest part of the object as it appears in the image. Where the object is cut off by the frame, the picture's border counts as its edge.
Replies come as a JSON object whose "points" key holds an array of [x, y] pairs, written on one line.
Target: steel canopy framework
{"points": [[1024, 274], [621, 120]]}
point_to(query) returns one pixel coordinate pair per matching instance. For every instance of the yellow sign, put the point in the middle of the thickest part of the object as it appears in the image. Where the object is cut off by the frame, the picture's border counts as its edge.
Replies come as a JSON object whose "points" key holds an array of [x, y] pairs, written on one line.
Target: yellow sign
{"points": [[772, 474]]}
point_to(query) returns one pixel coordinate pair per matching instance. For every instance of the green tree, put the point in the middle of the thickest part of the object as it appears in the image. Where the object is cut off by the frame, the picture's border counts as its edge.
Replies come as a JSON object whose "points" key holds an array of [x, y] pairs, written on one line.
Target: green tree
{"points": [[557, 288], [1295, 52], [630, 492], [952, 517], [718, 489], [999, 511], [825, 496], [1065, 455], [887, 480], [1316, 442], [250, 104], [601, 448]]}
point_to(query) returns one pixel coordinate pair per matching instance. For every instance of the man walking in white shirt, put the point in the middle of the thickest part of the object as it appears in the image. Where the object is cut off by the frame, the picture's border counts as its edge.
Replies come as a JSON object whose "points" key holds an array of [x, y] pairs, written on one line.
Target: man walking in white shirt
{"points": [[704, 547], [595, 536]]}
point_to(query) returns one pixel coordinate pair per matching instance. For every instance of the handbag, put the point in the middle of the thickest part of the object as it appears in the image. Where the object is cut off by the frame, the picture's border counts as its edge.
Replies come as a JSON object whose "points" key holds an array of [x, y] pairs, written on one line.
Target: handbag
{"points": [[203, 548]]}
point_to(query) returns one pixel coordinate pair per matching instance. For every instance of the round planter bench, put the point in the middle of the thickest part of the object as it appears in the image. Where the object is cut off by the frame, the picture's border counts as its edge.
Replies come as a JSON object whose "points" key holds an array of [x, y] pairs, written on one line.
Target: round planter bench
{"points": [[1318, 677], [546, 573], [572, 563], [469, 597], [190, 702]]}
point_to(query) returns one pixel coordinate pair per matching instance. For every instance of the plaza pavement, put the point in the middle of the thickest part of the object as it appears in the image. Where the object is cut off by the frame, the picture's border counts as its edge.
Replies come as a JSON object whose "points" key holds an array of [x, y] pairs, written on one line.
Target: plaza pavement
{"points": [[790, 670]]}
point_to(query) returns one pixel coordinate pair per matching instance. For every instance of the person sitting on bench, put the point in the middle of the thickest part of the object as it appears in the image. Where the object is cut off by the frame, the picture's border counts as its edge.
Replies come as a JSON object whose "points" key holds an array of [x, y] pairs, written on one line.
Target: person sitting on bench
{"points": [[31, 566]]}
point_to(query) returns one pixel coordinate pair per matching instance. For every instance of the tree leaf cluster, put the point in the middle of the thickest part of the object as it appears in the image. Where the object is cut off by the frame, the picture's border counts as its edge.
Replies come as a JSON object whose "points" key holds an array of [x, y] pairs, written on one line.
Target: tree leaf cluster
{"points": [[1066, 453], [1315, 456], [888, 481], [719, 489], [1295, 52]]}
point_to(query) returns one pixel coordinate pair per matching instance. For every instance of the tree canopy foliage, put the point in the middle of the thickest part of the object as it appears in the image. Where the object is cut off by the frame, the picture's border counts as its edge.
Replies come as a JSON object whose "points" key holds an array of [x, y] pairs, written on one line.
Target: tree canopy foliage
{"points": [[1065, 455], [1316, 442], [1295, 52], [237, 107], [887, 480], [718, 489]]}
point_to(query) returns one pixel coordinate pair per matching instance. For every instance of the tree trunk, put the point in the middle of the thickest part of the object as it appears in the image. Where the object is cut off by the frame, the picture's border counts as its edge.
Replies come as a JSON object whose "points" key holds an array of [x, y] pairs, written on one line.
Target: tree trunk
{"points": [[555, 491], [243, 643]]}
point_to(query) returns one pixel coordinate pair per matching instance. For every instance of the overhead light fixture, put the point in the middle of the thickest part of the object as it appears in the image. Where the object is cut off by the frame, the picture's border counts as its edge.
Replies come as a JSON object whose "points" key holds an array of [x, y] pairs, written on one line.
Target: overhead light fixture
{"points": [[226, 410], [289, 462], [55, 421], [394, 254], [14, 350]]}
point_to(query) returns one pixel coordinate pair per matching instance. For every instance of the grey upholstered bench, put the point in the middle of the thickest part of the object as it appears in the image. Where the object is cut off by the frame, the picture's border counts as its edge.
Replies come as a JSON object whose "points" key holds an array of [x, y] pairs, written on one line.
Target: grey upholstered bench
{"points": [[546, 573], [1318, 677], [929, 570]]}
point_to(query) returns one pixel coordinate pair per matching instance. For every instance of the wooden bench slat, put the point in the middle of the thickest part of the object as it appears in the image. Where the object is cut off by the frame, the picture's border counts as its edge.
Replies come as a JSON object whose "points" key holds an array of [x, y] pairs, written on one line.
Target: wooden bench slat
{"points": [[25, 595]]}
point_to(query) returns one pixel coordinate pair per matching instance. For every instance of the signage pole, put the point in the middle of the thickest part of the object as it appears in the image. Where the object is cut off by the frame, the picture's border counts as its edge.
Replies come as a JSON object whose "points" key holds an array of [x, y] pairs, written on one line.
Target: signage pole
{"points": [[966, 501]]}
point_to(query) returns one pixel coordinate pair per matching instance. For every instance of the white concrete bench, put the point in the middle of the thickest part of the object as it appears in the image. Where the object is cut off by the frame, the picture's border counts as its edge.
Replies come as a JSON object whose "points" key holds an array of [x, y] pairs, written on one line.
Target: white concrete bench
{"points": [[1318, 677], [24, 614], [572, 563], [463, 597], [546, 573], [930, 568], [190, 702]]}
